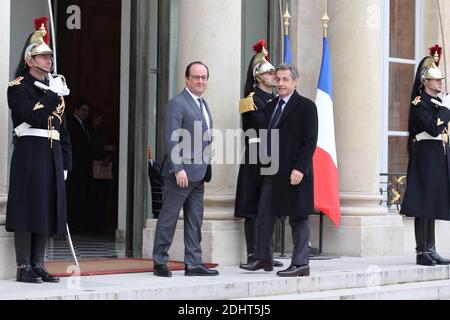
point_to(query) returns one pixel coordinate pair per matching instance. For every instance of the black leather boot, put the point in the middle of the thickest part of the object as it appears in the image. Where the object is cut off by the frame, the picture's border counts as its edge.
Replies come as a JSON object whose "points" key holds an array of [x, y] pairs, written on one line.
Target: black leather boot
{"points": [[38, 244], [26, 274], [424, 259], [250, 230], [431, 244], [436, 257], [43, 273]]}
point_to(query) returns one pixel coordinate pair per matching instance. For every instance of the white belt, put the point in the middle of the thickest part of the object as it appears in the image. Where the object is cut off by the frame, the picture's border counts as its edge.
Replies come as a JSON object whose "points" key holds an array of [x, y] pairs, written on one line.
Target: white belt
{"points": [[24, 130], [425, 136], [254, 140]]}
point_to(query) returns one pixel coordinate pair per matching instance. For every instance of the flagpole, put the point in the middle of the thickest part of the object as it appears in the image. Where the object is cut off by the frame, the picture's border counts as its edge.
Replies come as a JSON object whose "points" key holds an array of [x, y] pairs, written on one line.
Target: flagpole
{"points": [[281, 30], [286, 24], [286, 18], [325, 20]]}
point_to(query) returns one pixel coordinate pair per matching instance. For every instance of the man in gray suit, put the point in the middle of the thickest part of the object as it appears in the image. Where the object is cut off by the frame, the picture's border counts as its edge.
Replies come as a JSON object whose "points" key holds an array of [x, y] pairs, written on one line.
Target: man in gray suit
{"points": [[186, 168]]}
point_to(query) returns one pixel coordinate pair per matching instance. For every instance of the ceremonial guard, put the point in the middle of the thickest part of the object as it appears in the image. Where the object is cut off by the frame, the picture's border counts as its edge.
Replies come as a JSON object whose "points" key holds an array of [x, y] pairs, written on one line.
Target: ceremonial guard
{"points": [[258, 91], [36, 207], [427, 195]]}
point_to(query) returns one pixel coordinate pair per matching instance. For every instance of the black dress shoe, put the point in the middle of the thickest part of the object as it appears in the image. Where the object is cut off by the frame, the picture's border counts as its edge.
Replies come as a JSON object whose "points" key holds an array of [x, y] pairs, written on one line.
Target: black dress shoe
{"points": [[266, 265], [45, 276], [295, 271], [26, 274], [161, 270], [424, 259], [436, 257], [200, 270], [277, 264]]}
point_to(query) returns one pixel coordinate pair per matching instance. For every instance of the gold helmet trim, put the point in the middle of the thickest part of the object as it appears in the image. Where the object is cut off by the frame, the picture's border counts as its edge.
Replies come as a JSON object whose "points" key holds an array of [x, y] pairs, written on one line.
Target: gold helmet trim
{"points": [[260, 63], [433, 73], [37, 45], [430, 69]]}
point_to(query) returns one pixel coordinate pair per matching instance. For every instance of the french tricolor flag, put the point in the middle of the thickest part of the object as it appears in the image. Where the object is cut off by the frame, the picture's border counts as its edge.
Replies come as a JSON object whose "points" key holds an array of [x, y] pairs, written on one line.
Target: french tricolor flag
{"points": [[326, 177]]}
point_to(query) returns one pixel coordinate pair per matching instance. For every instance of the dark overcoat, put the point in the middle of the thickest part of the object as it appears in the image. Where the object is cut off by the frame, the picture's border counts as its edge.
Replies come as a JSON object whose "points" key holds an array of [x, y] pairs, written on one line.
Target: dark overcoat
{"points": [[37, 196], [298, 131], [249, 179], [427, 189]]}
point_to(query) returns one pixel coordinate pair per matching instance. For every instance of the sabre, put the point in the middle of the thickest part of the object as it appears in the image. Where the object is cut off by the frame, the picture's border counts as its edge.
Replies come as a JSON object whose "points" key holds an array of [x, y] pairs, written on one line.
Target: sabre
{"points": [[52, 26], [69, 240]]}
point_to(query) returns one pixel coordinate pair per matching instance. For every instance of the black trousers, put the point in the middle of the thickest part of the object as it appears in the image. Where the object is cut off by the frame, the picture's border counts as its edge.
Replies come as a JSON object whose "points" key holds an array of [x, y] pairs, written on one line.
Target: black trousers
{"points": [[250, 228], [30, 248], [425, 234], [266, 225]]}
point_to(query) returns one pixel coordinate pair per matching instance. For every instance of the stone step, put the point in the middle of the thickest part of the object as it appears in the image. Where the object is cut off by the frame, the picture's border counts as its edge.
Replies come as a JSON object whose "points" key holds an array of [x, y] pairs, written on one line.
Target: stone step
{"points": [[429, 290], [233, 283]]}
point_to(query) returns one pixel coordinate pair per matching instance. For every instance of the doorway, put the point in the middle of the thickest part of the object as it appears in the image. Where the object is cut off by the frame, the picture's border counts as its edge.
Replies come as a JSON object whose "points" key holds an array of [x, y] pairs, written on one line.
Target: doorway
{"points": [[89, 56]]}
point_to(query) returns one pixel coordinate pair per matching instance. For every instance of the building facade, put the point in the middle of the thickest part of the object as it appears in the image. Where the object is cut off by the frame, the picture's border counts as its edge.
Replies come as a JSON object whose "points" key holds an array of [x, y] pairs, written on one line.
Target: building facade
{"points": [[128, 58]]}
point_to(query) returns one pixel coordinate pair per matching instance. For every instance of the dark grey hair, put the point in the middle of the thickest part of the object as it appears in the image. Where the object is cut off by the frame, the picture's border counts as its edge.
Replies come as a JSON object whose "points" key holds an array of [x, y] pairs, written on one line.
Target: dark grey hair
{"points": [[290, 67]]}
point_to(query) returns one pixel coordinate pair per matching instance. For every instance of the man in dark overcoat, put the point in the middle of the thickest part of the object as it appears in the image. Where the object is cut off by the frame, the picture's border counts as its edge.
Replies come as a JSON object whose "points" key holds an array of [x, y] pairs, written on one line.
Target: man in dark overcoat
{"points": [[427, 195], [290, 191], [80, 179], [258, 92], [36, 207]]}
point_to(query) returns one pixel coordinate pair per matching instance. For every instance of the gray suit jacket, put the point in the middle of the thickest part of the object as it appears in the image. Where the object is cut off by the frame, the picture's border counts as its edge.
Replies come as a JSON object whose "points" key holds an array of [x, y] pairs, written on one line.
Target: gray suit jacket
{"points": [[187, 142]]}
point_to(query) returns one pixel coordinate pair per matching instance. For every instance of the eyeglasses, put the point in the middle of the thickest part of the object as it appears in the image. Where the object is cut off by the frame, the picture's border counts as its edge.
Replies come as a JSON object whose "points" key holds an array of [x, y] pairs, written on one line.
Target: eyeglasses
{"points": [[197, 78]]}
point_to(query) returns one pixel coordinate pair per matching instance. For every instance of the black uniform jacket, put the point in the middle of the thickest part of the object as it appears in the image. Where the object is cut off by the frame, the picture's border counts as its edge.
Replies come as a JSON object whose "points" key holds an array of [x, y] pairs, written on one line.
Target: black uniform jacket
{"points": [[427, 190], [298, 131], [37, 196], [249, 180]]}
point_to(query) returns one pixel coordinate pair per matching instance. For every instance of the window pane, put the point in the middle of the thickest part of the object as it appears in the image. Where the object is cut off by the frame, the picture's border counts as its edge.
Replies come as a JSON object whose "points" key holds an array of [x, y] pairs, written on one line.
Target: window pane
{"points": [[402, 29], [398, 155], [401, 79]]}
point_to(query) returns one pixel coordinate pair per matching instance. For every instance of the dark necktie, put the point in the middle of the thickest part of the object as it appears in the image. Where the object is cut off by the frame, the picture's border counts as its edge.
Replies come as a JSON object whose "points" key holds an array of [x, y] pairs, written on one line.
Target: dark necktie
{"points": [[273, 123], [203, 111]]}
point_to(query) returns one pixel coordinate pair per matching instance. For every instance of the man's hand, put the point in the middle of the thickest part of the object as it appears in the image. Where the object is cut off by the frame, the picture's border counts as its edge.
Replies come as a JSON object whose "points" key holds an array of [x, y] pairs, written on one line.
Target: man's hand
{"points": [[296, 177], [182, 179]]}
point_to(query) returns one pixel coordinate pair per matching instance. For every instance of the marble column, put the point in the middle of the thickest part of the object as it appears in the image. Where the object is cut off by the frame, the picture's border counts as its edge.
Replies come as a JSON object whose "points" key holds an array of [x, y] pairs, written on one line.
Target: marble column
{"points": [[4, 114], [210, 31], [355, 35], [6, 240]]}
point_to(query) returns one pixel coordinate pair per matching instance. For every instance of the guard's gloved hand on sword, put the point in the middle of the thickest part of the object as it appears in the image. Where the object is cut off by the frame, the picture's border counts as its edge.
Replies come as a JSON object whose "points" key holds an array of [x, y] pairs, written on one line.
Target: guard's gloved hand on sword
{"points": [[57, 84]]}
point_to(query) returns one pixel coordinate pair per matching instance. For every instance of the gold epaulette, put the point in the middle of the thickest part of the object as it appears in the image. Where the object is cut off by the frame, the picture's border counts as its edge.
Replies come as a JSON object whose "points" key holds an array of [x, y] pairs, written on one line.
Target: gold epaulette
{"points": [[417, 100], [16, 82], [247, 104]]}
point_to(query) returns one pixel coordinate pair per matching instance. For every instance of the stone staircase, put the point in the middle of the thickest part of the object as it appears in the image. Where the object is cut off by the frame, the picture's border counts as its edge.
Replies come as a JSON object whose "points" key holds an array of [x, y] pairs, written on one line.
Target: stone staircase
{"points": [[429, 290], [337, 279]]}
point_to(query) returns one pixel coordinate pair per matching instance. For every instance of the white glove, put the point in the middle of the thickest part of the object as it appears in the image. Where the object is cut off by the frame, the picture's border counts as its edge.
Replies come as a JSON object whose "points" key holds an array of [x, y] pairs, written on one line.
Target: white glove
{"points": [[445, 97], [57, 84], [65, 174]]}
